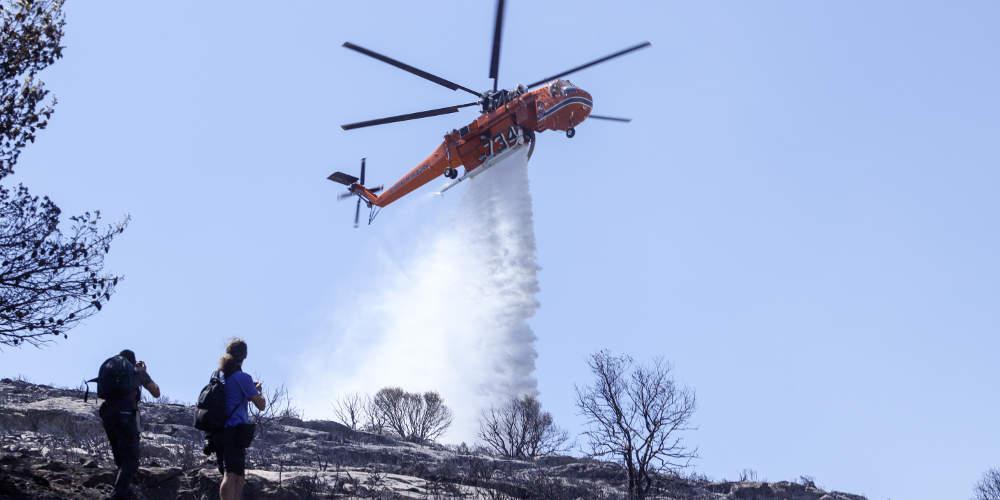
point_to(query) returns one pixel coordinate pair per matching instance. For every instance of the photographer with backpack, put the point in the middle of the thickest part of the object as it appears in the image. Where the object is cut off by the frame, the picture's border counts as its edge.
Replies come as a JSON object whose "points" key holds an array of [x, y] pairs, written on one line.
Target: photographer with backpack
{"points": [[119, 383], [231, 433]]}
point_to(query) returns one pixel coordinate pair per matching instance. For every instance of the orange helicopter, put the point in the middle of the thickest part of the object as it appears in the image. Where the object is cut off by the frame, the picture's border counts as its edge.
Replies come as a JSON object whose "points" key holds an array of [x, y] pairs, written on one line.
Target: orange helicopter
{"points": [[509, 120]]}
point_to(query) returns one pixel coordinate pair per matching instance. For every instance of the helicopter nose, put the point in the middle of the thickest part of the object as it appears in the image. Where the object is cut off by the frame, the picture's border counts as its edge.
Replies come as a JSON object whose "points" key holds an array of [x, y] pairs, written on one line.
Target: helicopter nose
{"points": [[587, 103]]}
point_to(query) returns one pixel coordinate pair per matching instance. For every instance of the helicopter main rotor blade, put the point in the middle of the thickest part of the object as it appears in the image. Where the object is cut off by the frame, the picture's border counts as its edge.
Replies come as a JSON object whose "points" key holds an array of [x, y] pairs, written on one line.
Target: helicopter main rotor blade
{"points": [[406, 67], [497, 33], [592, 63], [408, 116], [611, 118]]}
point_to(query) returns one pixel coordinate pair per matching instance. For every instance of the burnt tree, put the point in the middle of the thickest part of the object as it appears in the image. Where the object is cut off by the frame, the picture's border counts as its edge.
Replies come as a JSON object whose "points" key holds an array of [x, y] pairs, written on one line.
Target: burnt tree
{"points": [[411, 416], [350, 410], [520, 429], [51, 277], [635, 415]]}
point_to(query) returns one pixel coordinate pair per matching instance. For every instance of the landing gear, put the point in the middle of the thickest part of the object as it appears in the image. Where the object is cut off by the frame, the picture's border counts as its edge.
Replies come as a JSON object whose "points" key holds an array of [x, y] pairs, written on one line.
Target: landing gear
{"points": [[451, 173], [570, 132]]}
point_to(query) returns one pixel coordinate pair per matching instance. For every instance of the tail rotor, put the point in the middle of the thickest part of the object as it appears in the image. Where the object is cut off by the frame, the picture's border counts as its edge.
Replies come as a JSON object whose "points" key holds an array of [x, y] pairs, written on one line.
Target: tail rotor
{"points": [[357, 207], [355, 187]]}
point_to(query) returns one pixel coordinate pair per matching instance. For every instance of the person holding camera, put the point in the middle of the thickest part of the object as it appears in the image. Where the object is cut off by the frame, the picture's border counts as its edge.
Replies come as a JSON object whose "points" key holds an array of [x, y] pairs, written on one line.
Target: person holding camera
{"points": [[120, 383], [231, 444]]}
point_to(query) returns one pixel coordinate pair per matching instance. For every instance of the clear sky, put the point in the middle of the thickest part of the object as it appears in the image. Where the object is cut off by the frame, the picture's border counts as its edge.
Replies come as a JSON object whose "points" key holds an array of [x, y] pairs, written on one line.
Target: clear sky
{"points": [[802, 216]]}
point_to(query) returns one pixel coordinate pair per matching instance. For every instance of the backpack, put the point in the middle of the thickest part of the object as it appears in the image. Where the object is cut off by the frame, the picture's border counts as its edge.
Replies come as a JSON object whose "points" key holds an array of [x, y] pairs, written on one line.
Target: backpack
{"points": [[116, 379], [210, 413]]}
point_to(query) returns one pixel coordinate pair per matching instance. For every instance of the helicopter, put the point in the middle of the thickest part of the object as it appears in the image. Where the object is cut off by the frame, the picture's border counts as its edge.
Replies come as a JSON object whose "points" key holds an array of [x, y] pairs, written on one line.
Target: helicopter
{"points": [[508, 121]]}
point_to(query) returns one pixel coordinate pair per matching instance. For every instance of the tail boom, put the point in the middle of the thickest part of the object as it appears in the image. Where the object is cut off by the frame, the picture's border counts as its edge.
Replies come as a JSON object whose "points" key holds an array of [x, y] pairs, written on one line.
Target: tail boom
{"points": [[368, 195]]}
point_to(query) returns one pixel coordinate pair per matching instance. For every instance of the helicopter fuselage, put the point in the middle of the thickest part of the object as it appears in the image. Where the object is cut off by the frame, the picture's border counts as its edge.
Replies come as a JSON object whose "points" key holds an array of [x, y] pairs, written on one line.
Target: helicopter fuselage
{"points": [[512, 121]]}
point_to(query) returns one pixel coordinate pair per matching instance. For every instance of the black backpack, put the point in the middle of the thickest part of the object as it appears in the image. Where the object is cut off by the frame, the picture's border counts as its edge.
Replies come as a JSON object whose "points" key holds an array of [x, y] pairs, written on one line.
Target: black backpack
{"points": [[116, 379], [210, 414]]}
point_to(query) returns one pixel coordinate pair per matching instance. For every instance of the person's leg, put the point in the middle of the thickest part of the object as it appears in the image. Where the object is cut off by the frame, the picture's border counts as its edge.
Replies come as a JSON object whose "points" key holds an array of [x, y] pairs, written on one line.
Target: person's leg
{"points": [[238, 461], [110, 428], [240, 480], [232, 472], [224, 488], [220, 453], [128, 454], [231, 487], [220, 458]]}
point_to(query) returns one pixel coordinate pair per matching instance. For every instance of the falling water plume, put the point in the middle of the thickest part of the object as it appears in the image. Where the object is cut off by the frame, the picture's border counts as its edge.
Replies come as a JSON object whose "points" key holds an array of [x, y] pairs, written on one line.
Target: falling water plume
{"points": [[454, 317]]}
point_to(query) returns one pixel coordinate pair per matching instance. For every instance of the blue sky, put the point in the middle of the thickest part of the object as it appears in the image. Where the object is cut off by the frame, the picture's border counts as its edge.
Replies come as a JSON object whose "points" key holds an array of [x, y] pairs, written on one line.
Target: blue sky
{"points": [[801, 217]]}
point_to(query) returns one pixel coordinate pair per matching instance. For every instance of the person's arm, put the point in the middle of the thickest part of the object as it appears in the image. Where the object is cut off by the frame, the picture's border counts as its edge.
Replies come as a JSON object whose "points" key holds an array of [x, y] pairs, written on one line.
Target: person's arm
{"points": [[251, 390], [154, 390], [258, 400], [146, 380]]}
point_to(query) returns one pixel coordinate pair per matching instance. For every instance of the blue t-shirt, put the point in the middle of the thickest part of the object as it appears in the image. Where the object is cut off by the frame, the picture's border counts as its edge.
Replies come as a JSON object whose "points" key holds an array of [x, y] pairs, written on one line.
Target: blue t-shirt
{"points": [[239, 389]]}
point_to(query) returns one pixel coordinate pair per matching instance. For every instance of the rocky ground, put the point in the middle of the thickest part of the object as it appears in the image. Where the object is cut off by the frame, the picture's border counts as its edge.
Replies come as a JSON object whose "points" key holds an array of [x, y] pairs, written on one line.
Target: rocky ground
{"points": [[52, 446]]}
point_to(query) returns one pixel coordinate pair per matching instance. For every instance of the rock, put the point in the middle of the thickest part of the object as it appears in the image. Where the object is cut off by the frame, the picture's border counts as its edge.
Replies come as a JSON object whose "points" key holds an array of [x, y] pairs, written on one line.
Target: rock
{"points": [[10, 489], [52, 466], [157, 475], [159, 482], [99, 478]]}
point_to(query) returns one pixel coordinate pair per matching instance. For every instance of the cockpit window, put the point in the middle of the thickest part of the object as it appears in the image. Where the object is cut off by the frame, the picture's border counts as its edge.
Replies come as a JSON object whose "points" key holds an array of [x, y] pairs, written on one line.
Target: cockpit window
{"points": [[562, 87]]}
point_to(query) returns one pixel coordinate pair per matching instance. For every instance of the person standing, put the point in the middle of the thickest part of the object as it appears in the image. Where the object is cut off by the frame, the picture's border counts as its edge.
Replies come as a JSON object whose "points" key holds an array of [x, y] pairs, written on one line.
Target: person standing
{"points": [[232, 442], [120, 415]]}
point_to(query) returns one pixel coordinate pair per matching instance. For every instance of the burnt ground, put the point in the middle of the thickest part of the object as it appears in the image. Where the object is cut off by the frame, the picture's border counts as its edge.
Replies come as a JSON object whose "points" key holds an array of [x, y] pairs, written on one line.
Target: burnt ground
{"points": [[52, 446]]}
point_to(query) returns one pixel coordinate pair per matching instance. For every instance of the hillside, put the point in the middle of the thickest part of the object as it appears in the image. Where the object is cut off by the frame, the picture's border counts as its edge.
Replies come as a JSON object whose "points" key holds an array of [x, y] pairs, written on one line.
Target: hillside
{"points": [[52, 446]]}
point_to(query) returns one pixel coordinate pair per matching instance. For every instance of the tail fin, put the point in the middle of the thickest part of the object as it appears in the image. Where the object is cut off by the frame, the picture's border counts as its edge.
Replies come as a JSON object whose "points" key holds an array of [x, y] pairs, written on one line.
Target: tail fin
{"points": [[356, 187], [342, 178]]}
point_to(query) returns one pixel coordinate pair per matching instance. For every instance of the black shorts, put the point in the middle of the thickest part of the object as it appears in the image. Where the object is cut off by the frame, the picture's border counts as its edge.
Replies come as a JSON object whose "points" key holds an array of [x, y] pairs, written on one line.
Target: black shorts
{"points": [[231, 457]]}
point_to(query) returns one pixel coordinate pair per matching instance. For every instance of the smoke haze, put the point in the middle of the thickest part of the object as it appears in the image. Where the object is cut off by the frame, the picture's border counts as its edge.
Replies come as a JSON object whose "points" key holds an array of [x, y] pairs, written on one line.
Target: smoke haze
{"points": [[452, 318]]}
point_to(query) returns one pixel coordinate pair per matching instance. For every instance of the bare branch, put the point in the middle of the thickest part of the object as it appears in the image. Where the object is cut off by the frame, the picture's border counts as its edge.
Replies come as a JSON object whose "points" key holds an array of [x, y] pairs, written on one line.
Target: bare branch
{"points": [[411, 416], [279, 407], [30, 37], [520, 429], [350, 410], [50, 280], [635, 415]]}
